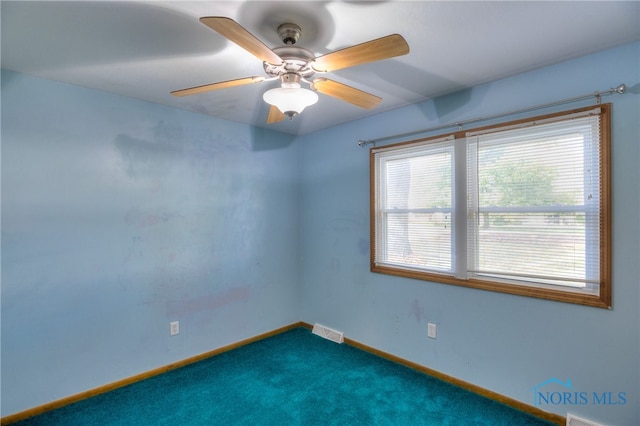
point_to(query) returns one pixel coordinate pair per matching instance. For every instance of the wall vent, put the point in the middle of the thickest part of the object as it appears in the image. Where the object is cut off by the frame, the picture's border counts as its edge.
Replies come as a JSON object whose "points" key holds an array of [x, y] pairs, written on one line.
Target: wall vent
{"points": [[573, 420], [328, 333]]}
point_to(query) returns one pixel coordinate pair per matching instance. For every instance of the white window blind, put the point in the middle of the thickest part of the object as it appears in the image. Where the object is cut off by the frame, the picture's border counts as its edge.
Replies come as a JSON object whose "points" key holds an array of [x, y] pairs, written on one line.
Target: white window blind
{"points": [[533, 209], [414, 198]]}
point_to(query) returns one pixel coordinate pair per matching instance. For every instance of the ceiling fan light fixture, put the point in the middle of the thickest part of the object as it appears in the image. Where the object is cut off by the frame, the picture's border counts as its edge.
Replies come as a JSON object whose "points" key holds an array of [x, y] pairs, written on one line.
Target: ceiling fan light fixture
{"points": [[293, 64], [290, 99]]}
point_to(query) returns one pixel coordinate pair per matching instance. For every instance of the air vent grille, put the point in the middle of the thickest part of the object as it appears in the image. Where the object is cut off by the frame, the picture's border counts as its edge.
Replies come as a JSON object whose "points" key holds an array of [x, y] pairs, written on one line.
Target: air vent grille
{"points": [[573, 420], [328, 333]]}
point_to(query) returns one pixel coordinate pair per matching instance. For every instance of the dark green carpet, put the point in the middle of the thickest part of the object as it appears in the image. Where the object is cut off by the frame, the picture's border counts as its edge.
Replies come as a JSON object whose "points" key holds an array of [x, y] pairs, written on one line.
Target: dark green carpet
{"points": [[294, 378]]}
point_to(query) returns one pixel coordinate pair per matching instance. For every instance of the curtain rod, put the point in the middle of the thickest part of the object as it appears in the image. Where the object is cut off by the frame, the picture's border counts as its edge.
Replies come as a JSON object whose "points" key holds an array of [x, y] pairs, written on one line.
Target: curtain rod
{"points": [[620, 89]]}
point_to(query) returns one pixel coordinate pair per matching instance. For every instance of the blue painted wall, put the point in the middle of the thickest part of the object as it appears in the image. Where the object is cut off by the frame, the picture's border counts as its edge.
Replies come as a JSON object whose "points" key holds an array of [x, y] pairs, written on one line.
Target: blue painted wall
{"points": [[119, 216], [508, 344]]}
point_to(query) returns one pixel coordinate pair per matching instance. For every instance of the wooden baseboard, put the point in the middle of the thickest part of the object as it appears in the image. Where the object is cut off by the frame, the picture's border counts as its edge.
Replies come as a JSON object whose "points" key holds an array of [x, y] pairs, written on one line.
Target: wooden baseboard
{"points": [[514, 403], [139, 377], [554, 418]]}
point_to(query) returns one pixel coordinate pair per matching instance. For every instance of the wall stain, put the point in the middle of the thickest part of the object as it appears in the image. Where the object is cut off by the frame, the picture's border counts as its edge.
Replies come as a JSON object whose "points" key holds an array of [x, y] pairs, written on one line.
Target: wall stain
{"points": [[140, 218], [180, 308], [145, 158], [415, 310]]}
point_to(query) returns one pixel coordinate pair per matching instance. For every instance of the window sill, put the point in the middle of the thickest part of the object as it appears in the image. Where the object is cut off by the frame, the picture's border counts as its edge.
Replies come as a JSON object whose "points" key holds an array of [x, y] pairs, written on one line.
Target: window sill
{"points": [[602, 300]]}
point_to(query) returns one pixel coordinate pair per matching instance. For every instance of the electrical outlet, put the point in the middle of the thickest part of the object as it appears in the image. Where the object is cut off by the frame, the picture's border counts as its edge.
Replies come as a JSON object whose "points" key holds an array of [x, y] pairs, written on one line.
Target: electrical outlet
{"points": [[174, 328], [431, 330]]}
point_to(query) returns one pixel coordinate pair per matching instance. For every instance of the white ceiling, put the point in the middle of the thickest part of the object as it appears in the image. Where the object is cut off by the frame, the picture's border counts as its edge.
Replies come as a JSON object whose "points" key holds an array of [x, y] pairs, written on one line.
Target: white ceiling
{"points": [[145, 49]]}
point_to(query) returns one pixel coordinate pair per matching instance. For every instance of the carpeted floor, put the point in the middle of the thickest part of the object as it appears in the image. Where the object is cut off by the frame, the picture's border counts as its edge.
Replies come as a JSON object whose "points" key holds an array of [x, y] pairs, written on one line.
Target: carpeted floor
{"points": [[294, 378]]}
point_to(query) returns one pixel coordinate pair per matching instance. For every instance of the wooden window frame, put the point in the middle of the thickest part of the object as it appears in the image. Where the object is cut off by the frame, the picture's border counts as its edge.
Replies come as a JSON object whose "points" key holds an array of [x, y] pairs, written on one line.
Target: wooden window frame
{"points": [[604, 296]]}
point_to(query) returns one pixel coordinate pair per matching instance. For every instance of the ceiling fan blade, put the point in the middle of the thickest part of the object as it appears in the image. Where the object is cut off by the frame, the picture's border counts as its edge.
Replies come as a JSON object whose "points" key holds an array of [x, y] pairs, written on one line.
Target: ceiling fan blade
{"points": [[233, 31], [346, 93], [216, 86], [370, 51], [275, 115]]}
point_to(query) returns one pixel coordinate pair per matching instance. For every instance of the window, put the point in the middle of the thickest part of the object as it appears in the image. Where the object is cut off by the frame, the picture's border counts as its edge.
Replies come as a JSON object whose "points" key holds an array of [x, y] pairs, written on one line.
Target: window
{"points": [[520, 208]]}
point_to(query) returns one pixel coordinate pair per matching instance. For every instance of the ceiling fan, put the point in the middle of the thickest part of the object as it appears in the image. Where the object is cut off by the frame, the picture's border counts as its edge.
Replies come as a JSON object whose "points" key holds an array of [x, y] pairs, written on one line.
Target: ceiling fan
{"points": [[294, 65]]}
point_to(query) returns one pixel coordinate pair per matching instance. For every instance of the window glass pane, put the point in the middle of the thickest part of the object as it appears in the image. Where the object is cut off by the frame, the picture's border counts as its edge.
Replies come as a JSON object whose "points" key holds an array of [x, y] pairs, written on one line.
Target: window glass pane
{"points": [[537, 203], [415, 215], [419, 182], [420, 240], [540, 245]]}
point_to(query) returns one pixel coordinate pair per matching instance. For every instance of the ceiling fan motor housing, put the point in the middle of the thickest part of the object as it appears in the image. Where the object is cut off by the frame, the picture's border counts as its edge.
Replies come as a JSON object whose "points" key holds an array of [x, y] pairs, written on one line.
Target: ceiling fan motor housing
{"points": [[289, 33], [290, 79], [295, 60]]}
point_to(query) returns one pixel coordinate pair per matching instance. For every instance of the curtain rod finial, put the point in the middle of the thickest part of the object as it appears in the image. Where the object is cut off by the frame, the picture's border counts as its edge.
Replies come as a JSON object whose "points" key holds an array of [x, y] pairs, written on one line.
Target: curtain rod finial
{"points": [[620, 89]]}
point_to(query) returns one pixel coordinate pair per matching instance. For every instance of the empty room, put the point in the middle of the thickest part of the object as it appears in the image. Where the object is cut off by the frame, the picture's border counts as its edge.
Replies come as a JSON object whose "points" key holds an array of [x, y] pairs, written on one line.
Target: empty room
{"points": [[384, 210]]}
